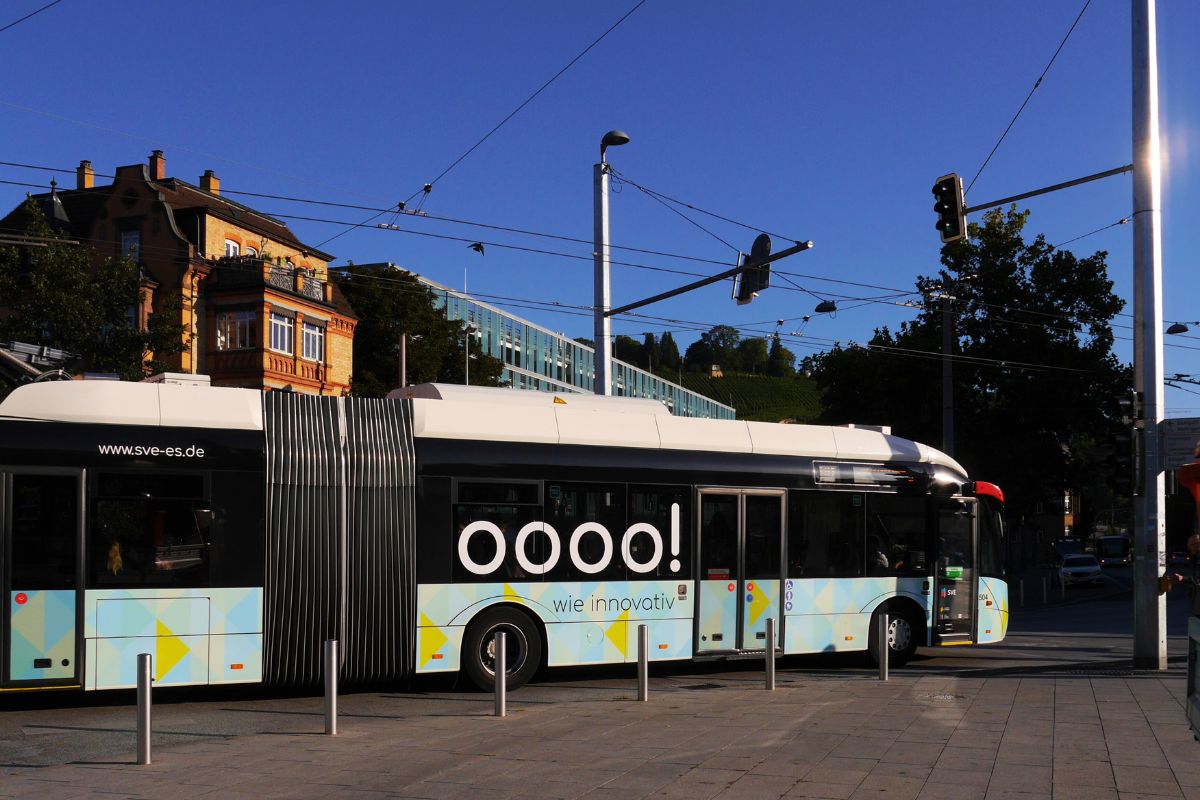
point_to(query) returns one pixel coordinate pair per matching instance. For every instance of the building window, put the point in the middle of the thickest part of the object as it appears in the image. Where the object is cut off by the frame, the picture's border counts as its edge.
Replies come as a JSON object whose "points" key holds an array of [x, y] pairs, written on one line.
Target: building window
{"points": [[252, 252], [131, 242], [283, 336], [312, 342], [237, 330], [232, 248]]}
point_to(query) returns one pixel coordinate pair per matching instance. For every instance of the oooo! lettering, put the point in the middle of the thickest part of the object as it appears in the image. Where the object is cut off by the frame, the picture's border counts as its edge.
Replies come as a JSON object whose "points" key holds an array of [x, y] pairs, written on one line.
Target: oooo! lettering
{"points": [[486, 528]]}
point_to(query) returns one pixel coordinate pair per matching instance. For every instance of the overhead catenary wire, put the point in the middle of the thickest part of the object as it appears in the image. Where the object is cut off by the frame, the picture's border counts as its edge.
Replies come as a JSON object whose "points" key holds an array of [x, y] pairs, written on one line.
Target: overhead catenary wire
{"points": [[662, 197], [561, 237], [644, 319], [781, 273], [17, 22], [1036, 84], [426, 188]]}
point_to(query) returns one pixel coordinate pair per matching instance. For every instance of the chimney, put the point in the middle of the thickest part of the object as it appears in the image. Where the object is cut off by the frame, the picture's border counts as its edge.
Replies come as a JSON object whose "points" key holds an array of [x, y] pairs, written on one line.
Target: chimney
{"points": [[158, 166], [210, 182], [85, 176]]}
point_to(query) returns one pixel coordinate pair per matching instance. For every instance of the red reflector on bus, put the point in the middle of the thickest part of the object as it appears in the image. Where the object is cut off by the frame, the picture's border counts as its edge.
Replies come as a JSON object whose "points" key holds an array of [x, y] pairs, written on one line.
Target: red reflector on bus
{"points": [[662, 647], [438, 656], [989, 602], [849, 638], [989, 630], [235, 666], [21, 598]]}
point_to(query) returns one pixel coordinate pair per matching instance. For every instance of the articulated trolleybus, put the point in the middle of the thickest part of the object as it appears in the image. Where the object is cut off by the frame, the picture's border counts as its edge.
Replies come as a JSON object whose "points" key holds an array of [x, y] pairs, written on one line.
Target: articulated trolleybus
{"points": [[230, 532]]}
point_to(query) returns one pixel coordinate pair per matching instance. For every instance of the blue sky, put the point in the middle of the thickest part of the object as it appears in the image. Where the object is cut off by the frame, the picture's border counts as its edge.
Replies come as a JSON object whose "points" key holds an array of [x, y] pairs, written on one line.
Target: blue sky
{"points": [[822, 121]]}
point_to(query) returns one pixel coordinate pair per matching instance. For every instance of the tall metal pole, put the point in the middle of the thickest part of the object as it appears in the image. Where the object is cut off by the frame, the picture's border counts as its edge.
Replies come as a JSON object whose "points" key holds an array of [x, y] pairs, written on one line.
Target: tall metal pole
{"points": [[1149, 508], [403, 360], [947, 373], [602, 323]]}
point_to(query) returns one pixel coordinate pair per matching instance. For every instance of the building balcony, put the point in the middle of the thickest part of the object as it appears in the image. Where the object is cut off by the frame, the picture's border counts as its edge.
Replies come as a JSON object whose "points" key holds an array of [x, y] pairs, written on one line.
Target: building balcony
{"points": [[252, 271]]}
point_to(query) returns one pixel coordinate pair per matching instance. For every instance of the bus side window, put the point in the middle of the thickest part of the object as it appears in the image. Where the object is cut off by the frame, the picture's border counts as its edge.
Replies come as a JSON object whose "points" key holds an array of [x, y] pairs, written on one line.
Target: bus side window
{"points": [[897, 534], [652, 505], [570, 505], [825, 534], [507, 506], [149, 530]]}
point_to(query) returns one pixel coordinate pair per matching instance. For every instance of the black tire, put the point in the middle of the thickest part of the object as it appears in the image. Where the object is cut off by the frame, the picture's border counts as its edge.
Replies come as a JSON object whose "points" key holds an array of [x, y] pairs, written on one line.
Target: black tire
{"points": [[904, 633], [523, 649]]}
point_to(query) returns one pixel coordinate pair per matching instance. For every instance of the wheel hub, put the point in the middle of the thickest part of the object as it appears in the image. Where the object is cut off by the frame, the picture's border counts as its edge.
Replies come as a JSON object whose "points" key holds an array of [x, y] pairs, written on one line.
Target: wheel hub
{"points": [[899, 634]]}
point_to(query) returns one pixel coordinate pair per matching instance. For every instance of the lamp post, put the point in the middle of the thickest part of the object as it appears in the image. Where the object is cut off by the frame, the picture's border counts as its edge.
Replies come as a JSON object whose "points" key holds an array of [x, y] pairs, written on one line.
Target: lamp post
{"points": [[404, 337], [1149, 505], [467, 333], [602, 324]]}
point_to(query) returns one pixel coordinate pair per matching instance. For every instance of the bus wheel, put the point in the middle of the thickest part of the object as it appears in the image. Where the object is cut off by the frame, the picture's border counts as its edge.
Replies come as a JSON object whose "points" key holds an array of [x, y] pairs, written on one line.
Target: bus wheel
{"points": [[903, 634], [522, 651]]}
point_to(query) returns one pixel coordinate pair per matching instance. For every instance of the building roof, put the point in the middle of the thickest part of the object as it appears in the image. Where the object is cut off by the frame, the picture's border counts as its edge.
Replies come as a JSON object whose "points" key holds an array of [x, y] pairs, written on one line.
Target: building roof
{"points": [[83, 205], [183, 196]]}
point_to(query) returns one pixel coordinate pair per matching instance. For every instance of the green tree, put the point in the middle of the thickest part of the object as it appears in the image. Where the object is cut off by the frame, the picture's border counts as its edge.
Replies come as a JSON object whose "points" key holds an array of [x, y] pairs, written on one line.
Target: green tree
{"points": [[1034, 373], [651, 352], [718, 345], [58, 297], [668, 352], [781, 362], [752, 355], [391, 302], [629, 350]]}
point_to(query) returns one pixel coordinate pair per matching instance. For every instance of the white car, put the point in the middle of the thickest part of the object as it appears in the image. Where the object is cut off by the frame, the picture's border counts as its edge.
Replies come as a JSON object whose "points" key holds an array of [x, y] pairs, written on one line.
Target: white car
{"points": [[1080, 569]]}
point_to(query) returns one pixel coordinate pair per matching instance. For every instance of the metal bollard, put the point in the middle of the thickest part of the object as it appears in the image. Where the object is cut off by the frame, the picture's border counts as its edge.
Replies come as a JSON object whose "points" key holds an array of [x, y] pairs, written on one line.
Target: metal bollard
{"points": [[643, 663], [145, 677], [501, 665], [331, 686], [1062, 588], [1022, 585], [769, 654], [1045, 594], [884, 650]]}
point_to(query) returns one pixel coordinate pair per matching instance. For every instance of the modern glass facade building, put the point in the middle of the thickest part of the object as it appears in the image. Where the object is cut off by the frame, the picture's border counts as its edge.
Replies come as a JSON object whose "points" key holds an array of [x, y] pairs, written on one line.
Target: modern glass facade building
{"points": [[537, 358]]}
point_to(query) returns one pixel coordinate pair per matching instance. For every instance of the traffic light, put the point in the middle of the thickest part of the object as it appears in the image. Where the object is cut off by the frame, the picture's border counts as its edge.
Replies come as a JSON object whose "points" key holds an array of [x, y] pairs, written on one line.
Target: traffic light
{"points": [[950, 208], [1131, 408], [1125, 463], [754, 276], [1121, 462]]}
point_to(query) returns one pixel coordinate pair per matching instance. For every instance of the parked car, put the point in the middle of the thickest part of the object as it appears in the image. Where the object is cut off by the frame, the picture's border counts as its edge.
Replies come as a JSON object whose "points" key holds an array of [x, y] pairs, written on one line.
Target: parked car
{"points": [[1080, 569], [1179, 559]]}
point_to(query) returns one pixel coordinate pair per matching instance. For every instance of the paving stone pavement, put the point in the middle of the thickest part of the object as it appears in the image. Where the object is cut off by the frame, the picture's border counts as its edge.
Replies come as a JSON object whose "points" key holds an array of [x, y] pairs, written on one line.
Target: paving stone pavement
{"points": [[1092, 737]]}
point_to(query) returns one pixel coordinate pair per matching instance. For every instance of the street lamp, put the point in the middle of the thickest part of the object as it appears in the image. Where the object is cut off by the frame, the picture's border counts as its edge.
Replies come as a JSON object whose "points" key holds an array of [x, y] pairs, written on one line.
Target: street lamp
{"points": [[404, 337], [602, 323], [468, 331]]}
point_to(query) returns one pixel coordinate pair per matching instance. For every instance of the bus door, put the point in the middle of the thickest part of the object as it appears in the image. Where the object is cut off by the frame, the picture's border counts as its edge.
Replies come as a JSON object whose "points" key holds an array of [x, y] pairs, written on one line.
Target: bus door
{"points": [[741, 554], [41, 538], [957, 578]]}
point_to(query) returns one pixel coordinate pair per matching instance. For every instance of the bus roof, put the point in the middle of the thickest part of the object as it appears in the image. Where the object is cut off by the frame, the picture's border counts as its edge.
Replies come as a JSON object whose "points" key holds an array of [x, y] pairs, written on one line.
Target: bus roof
{"points": [[542, 417], [144, 403], [477, 413]]}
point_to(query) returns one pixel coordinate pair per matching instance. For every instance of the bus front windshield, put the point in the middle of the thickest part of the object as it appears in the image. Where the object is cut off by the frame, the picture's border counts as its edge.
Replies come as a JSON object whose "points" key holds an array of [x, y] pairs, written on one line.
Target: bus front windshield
{"points": [[991, 537]]}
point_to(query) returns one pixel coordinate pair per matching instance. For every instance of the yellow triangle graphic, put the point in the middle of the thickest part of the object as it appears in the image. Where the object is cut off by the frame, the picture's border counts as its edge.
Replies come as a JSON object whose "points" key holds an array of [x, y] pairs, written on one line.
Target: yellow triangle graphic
{"points": [[169, 650], [759, 604], [618, 634], [559, 401], [432, 639], [510, 595]]}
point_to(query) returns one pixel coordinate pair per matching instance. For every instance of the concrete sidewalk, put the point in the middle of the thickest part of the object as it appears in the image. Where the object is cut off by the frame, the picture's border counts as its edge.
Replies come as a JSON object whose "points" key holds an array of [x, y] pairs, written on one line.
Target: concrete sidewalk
{"points": [[830, 735]]}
